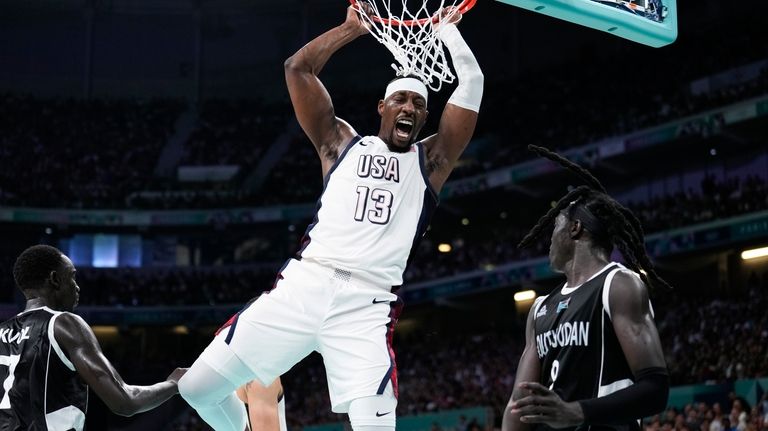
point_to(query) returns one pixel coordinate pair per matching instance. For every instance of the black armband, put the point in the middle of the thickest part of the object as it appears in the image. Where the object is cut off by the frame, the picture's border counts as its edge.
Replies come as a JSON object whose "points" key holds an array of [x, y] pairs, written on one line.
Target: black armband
{"points": [[647, 396]]}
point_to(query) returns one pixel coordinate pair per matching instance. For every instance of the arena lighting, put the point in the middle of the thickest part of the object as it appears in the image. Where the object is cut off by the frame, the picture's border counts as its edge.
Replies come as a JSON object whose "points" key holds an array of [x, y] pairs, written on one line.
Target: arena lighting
{"points": [[180, 330], [105, 331], [444, 248], [525, 295], [754, 253]]}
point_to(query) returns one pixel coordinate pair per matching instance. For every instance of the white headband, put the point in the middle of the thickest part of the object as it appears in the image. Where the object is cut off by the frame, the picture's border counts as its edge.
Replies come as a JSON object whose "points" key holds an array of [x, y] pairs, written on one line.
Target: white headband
{"points": [[406, 84]]}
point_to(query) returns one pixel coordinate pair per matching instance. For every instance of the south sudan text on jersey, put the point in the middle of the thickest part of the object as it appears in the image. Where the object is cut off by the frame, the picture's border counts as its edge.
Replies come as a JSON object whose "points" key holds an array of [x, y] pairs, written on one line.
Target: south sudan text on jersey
{"points": [[565, 334]]}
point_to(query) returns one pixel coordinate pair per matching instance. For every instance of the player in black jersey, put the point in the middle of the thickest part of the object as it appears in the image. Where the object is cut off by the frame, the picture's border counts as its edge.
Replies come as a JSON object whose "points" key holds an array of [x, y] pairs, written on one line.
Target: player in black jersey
{"points": [[49, 356], [592, 357]]}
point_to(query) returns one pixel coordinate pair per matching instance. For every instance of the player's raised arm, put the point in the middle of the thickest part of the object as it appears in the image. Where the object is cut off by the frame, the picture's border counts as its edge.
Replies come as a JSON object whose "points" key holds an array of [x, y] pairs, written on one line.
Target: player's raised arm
{"points": [[81, 346], [457, 123], [528, 370], [310, 99]]}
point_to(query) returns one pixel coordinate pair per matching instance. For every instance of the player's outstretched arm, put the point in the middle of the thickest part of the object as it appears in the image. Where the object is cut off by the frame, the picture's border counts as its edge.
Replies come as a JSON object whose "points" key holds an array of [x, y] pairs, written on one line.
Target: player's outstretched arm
{"points": [[528, 370], [310, 99], [634, 327], [81, 346], [263, 406], [457, 123]]}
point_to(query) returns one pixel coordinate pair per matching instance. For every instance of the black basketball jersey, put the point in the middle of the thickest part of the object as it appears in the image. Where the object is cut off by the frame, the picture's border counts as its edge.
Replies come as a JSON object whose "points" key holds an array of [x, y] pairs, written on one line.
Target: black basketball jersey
{"points": [[41, 391], [579, 352]]}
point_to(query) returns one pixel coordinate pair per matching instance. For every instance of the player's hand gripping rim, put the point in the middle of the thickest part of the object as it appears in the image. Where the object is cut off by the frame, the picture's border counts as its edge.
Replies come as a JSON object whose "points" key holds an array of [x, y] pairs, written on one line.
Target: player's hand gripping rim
{"points": [[543, 406], [449, 15], [354, 21]]}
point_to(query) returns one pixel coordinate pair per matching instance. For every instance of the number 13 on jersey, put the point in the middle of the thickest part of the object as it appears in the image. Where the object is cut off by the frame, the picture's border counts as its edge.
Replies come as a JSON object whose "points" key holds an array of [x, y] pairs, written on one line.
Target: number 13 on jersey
{"points": [[380, 201]]}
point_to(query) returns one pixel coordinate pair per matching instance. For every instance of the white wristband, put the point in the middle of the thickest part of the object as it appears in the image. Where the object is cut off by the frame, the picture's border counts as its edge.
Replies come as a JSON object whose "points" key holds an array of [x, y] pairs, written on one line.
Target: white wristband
{"points": [[469, 92]]}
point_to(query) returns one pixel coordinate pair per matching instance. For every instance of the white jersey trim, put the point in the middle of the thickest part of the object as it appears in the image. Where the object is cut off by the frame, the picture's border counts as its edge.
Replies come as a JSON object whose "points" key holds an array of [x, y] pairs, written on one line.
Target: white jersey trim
{"points": [[423, 166], [618, 385], [568, 290], [44, 307], [337, 162], [602, 349], [607, 292], [607, 289], [281, 414], [65, 419], [537, 304], [55, 344]]}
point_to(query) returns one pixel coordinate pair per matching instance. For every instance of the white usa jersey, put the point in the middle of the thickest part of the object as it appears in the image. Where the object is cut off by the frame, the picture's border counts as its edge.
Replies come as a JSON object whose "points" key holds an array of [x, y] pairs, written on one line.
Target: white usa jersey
{"points": [[375, 207]]}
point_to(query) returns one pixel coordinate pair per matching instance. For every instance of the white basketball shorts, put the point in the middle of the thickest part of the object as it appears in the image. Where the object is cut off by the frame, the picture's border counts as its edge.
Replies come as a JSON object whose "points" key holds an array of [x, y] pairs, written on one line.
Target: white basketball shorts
{"points": [[312, 307]]}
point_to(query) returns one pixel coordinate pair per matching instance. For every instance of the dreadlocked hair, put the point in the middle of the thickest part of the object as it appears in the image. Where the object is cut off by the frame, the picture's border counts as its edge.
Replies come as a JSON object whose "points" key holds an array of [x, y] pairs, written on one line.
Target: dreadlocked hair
{"points": [[547, 218], [584, 174], [620, 227]]}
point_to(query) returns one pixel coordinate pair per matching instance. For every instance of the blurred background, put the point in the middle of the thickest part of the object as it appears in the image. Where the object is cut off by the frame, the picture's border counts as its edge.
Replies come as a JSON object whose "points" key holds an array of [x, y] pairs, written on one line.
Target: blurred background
{"points": [[154, 143]]}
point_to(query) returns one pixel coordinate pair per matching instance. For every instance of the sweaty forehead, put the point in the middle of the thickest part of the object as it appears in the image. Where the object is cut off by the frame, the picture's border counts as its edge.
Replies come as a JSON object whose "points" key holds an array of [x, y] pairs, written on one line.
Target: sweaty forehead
{"points": [[408, 94]]}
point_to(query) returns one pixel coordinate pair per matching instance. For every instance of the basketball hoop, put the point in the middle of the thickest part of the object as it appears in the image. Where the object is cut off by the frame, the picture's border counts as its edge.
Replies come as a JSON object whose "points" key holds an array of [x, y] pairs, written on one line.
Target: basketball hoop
{"points": [[411, 36]]}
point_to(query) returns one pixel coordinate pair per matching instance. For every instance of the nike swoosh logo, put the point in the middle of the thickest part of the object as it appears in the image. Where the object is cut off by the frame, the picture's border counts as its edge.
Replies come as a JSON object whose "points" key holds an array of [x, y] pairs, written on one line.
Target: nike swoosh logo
{"points": [[375, 301], [378, 415]]}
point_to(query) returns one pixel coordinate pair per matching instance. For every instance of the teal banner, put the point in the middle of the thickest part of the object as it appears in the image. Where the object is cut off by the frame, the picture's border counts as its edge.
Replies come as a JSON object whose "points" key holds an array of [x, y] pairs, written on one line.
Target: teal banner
{"points": [[750, 389], [216, 217], [735, 230], [146, 316], [447, 420]]}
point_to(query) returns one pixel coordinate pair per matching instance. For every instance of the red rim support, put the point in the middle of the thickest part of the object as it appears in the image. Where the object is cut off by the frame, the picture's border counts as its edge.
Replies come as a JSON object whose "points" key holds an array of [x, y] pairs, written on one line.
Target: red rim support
{"points": [[463, 8]]}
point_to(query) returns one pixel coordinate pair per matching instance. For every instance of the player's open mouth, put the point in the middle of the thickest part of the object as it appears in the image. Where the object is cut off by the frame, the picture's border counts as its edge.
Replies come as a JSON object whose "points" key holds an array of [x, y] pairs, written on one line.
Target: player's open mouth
{"points": [[403, 128]]}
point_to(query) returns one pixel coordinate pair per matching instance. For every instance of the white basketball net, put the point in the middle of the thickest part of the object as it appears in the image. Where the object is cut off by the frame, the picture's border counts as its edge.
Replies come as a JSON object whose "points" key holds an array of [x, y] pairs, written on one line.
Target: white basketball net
{"points": [[416, 48]]}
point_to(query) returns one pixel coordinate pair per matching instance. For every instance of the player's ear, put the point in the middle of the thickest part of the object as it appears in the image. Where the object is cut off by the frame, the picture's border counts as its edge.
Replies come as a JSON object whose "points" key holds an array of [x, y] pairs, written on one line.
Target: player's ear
{"points": [[381, 107], [576, 229], [53, 279]]}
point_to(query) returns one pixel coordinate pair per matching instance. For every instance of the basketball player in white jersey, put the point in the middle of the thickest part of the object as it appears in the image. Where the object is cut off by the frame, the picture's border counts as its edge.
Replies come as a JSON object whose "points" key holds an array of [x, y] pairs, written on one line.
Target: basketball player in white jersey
{"points": [[337, 296], [49, 357]]}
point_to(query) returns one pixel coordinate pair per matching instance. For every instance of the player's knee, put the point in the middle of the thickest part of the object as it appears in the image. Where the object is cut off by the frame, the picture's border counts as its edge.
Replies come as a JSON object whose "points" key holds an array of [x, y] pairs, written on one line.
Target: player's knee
{"points": [[189, 389], [198, 386], [376, 413]]}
